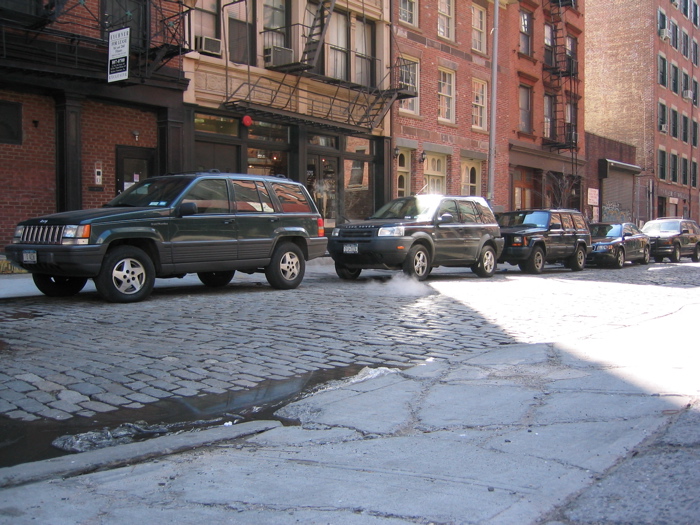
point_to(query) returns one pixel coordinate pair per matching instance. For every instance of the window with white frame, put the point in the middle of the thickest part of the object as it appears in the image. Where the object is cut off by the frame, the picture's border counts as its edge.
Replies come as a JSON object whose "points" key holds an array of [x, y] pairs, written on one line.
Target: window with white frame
{"points": [[525, 105], [471, 177], [549, 118], [663, 117], [206, 19], [549, 58], [446, 19], [364, 53], [337, 59], [662, 164], [408, 79], [478, 104], [663, 73], [661, 20], [526, 33], [435, 173], [241, 34], [446, 90], [478, 29], [408, 12]]}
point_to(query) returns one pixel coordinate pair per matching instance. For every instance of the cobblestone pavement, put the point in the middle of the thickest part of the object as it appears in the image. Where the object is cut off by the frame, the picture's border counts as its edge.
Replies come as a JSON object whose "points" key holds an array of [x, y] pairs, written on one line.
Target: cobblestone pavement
{"points": [[81, 356]]}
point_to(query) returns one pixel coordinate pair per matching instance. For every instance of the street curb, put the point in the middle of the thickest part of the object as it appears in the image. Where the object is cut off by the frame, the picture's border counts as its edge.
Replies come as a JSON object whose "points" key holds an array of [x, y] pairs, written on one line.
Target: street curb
{"points": [[122, 455]]}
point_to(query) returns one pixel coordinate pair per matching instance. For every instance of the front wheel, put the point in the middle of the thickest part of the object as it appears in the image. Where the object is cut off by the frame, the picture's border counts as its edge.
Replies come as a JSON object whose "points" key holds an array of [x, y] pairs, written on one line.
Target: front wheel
{"points": [[578, 260], [216, 279], [127, 275], [55, 286], [348, 274], [486, 266], [535, 264], [619, 259], [676, 255], [696, 254], [417, 263], [286, 268], [646, 257]]}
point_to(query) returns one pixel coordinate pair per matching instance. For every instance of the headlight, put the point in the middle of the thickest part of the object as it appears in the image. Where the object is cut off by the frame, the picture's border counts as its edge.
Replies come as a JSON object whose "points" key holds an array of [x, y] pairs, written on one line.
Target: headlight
{"points": [[335, 232], [518, 240], [665, 242], [391, 231], [604, 248], [19, 231], [76, 234]]}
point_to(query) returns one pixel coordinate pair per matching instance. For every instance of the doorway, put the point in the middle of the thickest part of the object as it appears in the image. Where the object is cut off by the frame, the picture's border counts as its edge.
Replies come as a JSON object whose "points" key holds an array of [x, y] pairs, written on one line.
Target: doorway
{"points": [[133, 165], [322, 183]]}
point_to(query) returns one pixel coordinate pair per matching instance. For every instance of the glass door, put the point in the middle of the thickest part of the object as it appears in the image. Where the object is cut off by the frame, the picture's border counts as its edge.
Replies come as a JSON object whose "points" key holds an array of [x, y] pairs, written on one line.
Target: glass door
{"points": [[322, 183], [133, 165]]}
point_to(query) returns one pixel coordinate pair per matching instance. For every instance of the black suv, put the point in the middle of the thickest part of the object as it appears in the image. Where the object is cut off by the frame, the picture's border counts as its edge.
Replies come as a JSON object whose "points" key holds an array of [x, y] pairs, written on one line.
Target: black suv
{"points": [[416, 234], [536, 237], [211, 224], [674, 238]]}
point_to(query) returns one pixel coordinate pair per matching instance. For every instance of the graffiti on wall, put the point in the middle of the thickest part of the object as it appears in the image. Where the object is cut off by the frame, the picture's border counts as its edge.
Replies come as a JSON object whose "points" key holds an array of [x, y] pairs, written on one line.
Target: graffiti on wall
{"points": [[614, 212]]}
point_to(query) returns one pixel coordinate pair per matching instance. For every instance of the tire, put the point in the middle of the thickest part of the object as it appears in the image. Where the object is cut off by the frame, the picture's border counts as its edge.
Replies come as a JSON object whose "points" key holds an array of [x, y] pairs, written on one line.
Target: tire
{"points": [[287, 267], [577, 261], [348, 274], [55, 286], [619, 258], [216, 279], [535, 264], [695, 257], [486, 266], [676, 255], [647, 256], [127, 275], [417, 263]]}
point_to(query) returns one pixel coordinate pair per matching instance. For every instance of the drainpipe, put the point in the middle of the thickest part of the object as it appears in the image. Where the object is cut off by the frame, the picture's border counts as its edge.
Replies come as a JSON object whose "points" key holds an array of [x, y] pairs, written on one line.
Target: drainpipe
{"points": [[494, 92]]}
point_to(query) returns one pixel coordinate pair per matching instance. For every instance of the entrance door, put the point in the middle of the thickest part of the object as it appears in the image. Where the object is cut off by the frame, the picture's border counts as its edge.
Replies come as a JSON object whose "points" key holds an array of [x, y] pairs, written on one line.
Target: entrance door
{"points": [[214, 156], [322, 183], [133, 165]]}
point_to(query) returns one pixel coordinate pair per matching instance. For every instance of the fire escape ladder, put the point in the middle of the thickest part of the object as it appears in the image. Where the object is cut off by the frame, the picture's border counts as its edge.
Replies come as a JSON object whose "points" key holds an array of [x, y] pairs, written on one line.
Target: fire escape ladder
{"points": [[317, 33]]}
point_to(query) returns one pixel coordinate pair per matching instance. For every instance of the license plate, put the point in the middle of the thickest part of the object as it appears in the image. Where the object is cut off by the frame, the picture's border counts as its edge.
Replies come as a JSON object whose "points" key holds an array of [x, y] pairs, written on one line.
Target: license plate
{"points": [[350, 248], [29, 256]]}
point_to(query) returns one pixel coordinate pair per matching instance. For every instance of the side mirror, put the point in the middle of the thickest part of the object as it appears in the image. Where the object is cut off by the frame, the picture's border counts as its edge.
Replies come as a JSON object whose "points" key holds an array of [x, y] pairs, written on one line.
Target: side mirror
{"points": [[685, 230], [187, 208], [446, 218]]}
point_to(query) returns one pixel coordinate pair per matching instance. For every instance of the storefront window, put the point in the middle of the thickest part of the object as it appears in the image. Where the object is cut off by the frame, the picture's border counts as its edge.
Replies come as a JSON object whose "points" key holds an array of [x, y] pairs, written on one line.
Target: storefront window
{"points": [[215, 124], [269, 132], [267, 162], [323, 140]]}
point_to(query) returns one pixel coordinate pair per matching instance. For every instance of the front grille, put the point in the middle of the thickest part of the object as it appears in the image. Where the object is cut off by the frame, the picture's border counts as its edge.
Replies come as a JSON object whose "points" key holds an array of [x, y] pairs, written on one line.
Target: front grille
{"points": [[356, 233], [42, 234]]}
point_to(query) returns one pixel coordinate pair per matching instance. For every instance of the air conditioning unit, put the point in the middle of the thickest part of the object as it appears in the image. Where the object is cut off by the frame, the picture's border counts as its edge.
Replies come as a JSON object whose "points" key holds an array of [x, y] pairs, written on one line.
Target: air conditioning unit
{"points": [[665, 34], [688, 94], [674, 3], [572, 137], [278, 56], [207, 45], [663, 128]]}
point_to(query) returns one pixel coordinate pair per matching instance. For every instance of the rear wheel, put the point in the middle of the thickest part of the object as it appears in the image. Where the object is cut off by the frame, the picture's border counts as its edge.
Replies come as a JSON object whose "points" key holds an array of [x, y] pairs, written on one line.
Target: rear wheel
{"points": [[646, 257], [676, 254], [417, 263], [486, 266], [286, 268], [349, 274], [535, 263], [216, 279], [55, 286], [696, 253], [578, 260], [619, 258], [127, 275]]}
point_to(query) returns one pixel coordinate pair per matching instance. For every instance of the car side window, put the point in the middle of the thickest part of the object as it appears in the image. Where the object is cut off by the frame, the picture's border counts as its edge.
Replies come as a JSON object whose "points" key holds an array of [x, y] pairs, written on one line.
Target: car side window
{"points": [[249, 197], [555, 222], [468, 211], [448, 206], [579, 221], [291, 198], [487, 216], [210, 196], [567, 222]]}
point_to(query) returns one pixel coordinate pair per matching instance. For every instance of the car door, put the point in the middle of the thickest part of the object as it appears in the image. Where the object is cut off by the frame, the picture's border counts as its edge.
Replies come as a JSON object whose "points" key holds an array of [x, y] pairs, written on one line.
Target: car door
{"points": [[556, 236], [632, 241], [472, 229], [207, 240], [447, 236], [687, 237], [256, 218]]}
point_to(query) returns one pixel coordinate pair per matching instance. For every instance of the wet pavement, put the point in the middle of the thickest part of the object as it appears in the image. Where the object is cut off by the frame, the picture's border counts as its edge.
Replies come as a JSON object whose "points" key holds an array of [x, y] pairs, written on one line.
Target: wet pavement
{"points": [[566, 398]]}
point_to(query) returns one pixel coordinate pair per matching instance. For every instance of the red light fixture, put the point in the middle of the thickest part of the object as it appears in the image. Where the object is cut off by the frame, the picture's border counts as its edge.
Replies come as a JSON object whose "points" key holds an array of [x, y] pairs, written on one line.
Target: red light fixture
{"points": [[247, 121]]}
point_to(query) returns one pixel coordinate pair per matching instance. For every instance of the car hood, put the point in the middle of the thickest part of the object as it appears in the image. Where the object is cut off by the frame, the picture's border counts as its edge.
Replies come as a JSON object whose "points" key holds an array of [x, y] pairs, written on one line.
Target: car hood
{"points": [[97, 215], [661, 235]]}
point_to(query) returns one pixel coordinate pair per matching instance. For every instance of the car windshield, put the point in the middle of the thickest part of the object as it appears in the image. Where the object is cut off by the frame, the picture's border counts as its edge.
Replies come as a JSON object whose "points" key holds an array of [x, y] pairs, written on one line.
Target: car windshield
{"points": [[533, 219], [606, 230], [417, 207], [661, 226], [156, 192]]}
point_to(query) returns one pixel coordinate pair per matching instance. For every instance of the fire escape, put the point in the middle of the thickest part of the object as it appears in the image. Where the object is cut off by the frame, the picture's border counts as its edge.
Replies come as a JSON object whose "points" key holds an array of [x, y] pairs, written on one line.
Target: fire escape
{"points": [[313, 88], [560, 75], [65, 38]]}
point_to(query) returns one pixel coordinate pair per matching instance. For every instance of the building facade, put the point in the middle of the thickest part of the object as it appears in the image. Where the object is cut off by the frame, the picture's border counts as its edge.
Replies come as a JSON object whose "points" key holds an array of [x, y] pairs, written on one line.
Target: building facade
{"points": [[643, 90]]}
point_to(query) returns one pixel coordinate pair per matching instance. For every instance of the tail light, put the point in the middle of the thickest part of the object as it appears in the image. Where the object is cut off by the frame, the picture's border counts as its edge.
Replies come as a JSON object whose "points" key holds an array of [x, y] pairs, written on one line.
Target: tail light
{"points": [[321, 227]]}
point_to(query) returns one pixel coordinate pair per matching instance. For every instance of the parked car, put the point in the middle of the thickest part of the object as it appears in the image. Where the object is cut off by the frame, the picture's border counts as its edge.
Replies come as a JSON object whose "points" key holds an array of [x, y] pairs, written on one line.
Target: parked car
{"points": [[615, 243], [536, 237], [673, 237], [418, 233], [210, 224]]}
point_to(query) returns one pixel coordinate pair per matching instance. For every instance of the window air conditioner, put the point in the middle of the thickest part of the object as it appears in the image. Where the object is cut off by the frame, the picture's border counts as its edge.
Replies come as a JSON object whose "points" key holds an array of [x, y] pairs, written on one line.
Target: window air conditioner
{"points": [[688, 94], [663, 128], [207, 45], [665, 34], [278, 56]]}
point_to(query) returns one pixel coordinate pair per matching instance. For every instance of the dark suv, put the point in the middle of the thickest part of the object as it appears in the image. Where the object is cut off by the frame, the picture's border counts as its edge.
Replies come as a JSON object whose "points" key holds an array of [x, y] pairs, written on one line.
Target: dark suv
{"points": [[211, 224], [536, 237], [416, 234], [674, 238]]}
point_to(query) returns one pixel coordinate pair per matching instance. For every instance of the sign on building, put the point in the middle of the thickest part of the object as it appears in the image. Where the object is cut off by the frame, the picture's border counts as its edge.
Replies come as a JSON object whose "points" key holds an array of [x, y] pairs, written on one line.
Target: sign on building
{"points": [[118, 67]]}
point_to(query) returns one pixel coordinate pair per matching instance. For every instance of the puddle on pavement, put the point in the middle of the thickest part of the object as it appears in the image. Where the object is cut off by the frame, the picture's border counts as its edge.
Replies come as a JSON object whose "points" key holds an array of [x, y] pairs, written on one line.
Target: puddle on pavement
{"points": [[24, 442]]}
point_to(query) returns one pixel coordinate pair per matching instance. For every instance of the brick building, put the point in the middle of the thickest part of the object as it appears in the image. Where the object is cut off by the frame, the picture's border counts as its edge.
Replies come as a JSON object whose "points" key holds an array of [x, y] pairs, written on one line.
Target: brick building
{"points": [[643, 90]]}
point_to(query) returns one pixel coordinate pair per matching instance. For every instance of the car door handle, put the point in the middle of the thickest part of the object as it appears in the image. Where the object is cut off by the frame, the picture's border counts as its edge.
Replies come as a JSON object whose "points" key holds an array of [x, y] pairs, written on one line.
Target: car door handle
{"points": [[228, 221], [274, 219]]}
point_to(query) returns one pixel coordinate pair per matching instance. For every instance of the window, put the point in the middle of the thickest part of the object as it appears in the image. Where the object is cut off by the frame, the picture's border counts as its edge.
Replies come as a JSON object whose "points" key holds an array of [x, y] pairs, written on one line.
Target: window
{"points": [[479, 104], [132, 14], [275, 22], [674, 78], [403, 172], [662, 20], [436, 173], [251, 197], [408, 79], [674, 34], [408, 12], [337, 66], [10, 123], [525, 33], [446, 19], [241, 40], [663, 75], [685, 8], [478, 29], [291, 197], [695, 134], [685, 129], [571, 120], [571, 46], [684, 171], [364, 53], [673, 167], [662, 164], [686, 81], [695, 14], [663, 117], [446, 95], [694, 54], [210, 196], [549, 58], [549, 120], [471, 177], [206, 19], [695, 92], [685, 45], [525, 103], [694, 174], [674, 123]]}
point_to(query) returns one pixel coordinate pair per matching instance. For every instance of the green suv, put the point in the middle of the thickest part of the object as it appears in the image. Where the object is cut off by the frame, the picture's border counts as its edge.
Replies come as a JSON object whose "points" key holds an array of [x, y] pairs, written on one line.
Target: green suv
{"points": [[211, 224]]}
